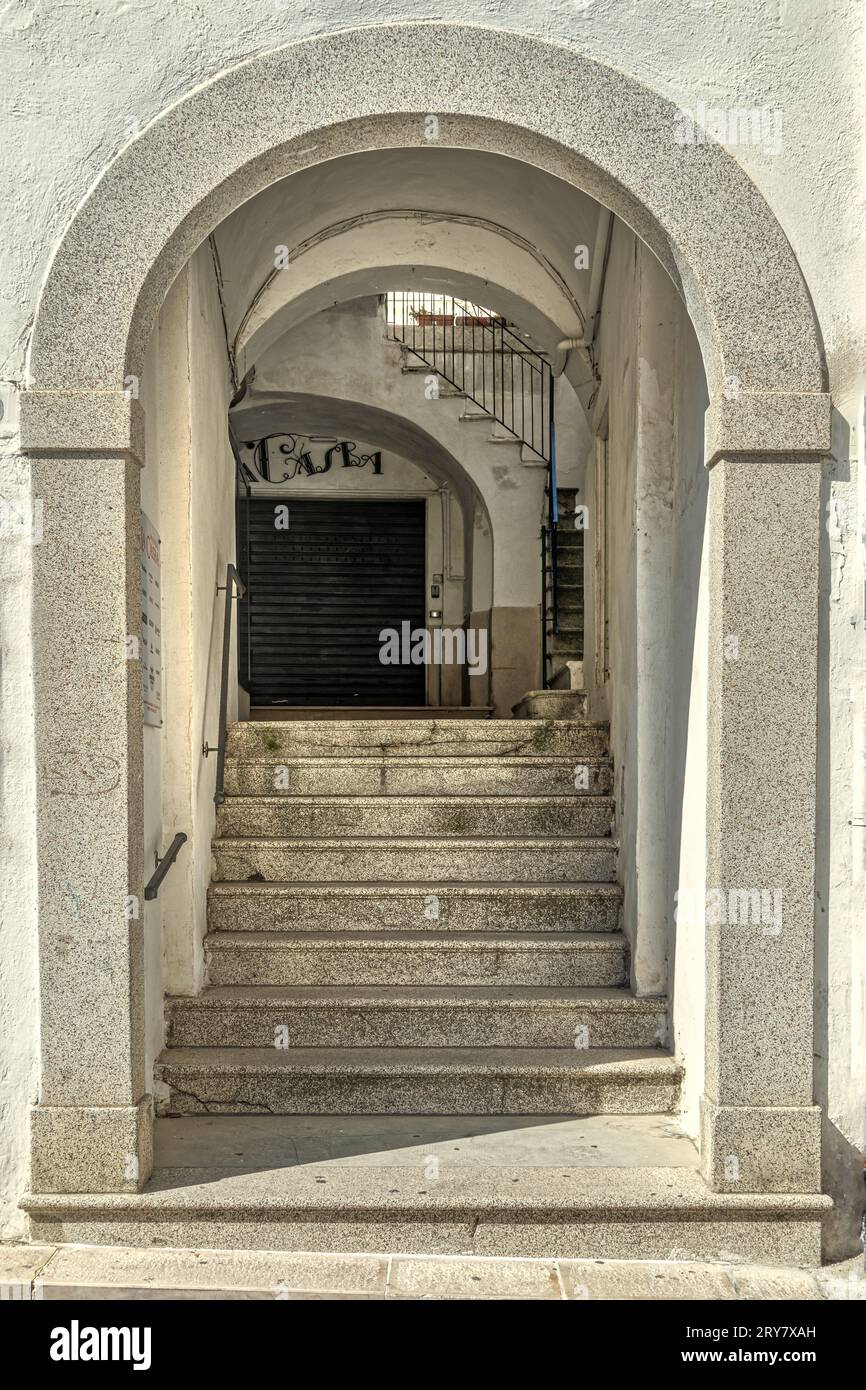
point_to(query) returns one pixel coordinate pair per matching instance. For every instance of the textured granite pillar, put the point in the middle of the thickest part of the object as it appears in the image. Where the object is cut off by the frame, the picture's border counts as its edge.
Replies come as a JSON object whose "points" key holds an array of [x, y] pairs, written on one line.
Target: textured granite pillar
{"points": [[760, 1130], [91, 1131]]}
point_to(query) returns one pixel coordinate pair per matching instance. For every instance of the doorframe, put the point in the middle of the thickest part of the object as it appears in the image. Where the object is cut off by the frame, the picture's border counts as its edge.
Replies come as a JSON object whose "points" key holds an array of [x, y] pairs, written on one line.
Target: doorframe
{"points": [[714, 232]]}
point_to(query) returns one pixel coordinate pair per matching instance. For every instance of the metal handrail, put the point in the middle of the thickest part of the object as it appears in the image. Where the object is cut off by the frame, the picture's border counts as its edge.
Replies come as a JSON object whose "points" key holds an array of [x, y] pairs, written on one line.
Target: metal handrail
{"points": [[243, 496], [232, 579], [485, 334], [162, 866], [408, 314], [549, 559], [544, 675]]}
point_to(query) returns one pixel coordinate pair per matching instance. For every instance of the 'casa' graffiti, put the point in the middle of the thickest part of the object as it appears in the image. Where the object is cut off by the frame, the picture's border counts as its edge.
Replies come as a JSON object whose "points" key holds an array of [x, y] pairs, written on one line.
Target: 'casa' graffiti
{"points": [[283, 457]]}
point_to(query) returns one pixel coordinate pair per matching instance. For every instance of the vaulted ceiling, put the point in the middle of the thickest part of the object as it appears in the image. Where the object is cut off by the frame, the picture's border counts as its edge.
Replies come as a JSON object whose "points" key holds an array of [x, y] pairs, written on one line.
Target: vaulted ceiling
{"points": [[461, 221]]}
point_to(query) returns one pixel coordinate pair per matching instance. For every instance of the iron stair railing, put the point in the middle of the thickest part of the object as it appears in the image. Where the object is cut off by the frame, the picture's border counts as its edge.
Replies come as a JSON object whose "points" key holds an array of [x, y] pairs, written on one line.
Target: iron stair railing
{"points": [[475, 351]]}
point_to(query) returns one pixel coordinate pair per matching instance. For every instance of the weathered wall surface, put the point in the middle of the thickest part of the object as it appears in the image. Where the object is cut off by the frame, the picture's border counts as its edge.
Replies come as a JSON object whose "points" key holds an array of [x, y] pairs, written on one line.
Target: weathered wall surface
{"points": [[212, 541], [19, 995], [130, 62], [652, 397], [188, 491]]}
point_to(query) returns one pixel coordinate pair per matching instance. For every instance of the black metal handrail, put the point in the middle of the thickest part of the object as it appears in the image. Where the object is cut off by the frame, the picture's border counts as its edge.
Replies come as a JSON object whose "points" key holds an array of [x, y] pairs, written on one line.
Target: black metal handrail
{"points": [[485, 360], [162, 866], [243, 498], [549, 624], [549, 561], [484, 334], [233, 582]]}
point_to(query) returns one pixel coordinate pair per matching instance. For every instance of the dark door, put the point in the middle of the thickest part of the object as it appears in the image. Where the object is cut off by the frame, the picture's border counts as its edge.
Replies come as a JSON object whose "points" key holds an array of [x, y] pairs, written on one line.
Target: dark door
{"points": [[319, 594]]}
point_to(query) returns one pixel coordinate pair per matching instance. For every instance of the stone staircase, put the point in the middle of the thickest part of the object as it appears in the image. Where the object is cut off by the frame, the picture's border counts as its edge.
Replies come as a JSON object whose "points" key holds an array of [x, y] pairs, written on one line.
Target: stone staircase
{"points": [[567, 644], [565, 698], [458, 945], [418, 1033]]}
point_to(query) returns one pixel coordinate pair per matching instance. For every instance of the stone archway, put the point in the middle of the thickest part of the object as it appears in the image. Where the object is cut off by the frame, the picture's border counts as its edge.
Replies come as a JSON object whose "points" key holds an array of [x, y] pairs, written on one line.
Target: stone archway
{"points": [[768, 426]]}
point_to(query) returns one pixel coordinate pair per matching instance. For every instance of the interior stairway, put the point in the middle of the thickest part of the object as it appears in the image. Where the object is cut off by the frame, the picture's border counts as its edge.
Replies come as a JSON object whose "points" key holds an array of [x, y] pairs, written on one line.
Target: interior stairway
{"points": [[454, 937], [567, 643], [564, 696], [418, 1032]]}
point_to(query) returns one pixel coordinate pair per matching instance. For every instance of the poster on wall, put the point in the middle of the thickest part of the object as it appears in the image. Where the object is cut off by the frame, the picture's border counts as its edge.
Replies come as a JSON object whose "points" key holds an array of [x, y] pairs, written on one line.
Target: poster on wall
{"points": [[151, 623]]}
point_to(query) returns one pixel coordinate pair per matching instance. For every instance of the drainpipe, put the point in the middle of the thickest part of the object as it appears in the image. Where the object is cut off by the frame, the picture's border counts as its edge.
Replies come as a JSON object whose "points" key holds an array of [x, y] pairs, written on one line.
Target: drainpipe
{"points": [[596, 286]]}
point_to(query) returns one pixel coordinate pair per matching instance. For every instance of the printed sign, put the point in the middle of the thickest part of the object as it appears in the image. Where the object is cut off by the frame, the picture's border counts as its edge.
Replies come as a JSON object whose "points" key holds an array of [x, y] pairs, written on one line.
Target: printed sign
{"points": [[151, 622]]}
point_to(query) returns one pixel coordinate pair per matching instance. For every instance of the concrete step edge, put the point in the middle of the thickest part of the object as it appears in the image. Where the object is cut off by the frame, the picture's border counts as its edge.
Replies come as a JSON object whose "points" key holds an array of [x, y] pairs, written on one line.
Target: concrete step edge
{"points": [[587, 843], [578, 1191], [266, 997], [617, 1064], [580, 942], [399, 799], [371, 888]]}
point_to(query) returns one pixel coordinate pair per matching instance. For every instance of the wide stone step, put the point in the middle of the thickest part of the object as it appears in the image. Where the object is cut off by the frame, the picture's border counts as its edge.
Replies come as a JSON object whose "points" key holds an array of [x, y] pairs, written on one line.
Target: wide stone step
{"points": [[416, 776], [584, 1214], [425, 815], [418, 1081], [423, 1016], [293, 860], [577, 1212], [433, 906], [322, 738], [271, 714], [415, 958], [590, 1187]]}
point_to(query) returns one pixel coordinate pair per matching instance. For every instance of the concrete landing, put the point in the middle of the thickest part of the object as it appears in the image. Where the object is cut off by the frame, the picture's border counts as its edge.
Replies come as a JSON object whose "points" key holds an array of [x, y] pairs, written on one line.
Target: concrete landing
{"points": [[256, 1142], [609, 1187]]}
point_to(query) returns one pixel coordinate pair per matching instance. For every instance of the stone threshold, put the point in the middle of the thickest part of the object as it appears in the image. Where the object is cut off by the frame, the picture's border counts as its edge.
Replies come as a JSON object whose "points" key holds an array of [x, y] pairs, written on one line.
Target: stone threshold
{"points": [[87, 1273]]}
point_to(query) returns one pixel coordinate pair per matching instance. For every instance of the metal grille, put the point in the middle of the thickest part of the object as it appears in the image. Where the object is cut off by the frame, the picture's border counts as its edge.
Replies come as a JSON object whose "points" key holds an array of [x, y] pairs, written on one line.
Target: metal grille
{"points": [[320, 592]]}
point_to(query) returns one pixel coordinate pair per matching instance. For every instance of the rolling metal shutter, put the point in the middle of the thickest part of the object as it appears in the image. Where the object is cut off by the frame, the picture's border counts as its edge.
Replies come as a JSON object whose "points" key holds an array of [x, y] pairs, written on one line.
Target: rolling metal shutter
{"points": [[320, 592]]}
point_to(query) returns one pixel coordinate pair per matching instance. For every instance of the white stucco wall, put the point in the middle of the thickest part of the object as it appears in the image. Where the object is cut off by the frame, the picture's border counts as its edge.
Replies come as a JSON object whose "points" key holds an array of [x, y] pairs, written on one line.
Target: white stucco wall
{"points": [[653, 395], [617, 351], [686, 744], [19, 995], [153, 735], [212, 540]]}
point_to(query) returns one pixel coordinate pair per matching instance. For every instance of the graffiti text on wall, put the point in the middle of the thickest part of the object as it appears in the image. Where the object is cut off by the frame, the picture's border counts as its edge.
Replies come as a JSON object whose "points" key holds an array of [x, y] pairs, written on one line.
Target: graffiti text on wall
{"points": [[284, 457]]}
